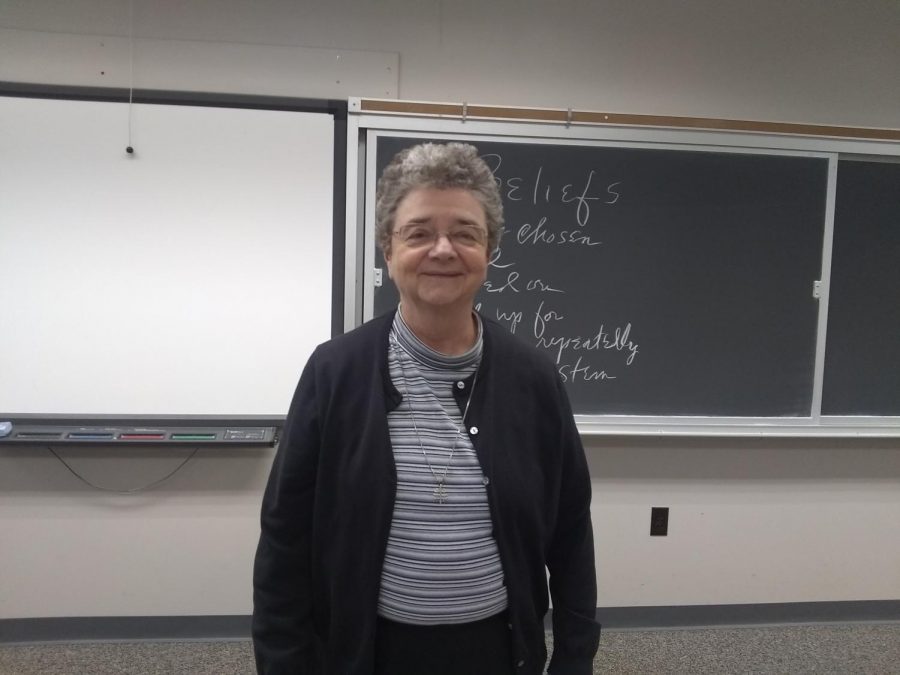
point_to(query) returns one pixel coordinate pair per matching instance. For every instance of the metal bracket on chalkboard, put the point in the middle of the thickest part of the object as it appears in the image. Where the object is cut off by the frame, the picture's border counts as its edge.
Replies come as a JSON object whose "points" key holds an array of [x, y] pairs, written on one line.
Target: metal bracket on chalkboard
{"points": [[465, 112], [817, 289], [377, 280], [568, 118]]}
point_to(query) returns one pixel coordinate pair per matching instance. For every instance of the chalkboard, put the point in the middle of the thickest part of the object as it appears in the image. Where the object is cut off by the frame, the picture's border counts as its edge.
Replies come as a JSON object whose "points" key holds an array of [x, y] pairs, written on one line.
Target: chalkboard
{"points": [[662, 282], [862, 355]]}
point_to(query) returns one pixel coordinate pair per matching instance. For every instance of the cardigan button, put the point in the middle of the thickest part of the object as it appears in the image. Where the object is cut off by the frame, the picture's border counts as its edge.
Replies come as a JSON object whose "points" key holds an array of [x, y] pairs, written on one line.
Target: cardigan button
{"points": [[473, 431], [520, 664], [485, 481], [460, 385]]}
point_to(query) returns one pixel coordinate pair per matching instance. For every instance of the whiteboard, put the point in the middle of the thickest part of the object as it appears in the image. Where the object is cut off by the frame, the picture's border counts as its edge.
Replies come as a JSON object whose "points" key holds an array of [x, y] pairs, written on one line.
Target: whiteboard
{"points": [[190, 278]]}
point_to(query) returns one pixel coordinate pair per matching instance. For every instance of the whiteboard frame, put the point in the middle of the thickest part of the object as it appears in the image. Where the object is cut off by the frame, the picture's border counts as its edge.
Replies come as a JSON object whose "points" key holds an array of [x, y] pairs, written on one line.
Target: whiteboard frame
{"points": [[363, 129], [336, 108]]}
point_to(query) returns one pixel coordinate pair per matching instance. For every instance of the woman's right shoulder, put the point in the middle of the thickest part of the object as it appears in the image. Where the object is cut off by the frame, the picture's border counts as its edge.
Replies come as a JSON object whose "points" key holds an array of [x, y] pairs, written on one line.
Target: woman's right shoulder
{"points": [[356, 343]]}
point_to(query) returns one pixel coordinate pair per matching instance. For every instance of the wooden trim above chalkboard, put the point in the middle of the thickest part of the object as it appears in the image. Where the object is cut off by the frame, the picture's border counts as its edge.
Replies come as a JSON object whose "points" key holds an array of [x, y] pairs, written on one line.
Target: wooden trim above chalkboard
{"points": [[465, 111]]}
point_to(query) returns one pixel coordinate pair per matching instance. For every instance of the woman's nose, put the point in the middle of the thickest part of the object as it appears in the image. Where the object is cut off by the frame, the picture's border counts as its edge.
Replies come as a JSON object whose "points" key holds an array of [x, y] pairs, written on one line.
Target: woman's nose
{"points": [[442, 247]]}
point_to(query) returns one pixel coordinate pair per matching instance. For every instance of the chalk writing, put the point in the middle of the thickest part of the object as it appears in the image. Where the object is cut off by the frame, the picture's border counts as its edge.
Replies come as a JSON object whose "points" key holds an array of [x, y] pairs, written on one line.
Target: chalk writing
{"points": [[541, 318], [508, 285], [545, 191], [495, 260], [541, 235], [571, 372], [542, 287], [562, 346], [619, 340], [514, 318], [520, 289]]}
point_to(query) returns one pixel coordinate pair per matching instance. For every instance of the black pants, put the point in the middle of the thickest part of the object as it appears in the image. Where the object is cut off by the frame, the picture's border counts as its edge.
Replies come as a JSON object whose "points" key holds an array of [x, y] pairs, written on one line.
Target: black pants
{"points": [[477, 648]]}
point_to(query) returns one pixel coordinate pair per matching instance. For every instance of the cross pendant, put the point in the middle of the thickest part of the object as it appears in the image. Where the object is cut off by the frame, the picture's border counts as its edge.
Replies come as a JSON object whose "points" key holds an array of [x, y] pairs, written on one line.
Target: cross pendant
{"points": [[440, 493]]}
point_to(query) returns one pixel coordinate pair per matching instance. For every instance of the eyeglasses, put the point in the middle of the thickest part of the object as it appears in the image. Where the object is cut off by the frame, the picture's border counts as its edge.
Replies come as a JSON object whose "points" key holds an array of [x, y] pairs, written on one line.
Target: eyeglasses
{"points": [[422, 236]]}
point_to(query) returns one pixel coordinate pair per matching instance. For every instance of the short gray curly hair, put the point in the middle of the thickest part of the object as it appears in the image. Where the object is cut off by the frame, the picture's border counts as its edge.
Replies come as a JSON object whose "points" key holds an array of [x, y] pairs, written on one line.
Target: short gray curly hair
{"points": [[442, 166]]}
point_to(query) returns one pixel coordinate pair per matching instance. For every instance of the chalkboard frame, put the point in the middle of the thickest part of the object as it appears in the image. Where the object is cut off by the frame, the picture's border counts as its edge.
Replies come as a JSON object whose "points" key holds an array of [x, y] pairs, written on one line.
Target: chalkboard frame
{"points": [[364, 129]]}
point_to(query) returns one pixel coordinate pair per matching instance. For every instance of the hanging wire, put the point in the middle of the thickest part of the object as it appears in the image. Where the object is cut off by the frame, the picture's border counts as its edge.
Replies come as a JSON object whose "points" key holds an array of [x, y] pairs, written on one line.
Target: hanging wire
{"points": [[130, 148], [140, 488]]}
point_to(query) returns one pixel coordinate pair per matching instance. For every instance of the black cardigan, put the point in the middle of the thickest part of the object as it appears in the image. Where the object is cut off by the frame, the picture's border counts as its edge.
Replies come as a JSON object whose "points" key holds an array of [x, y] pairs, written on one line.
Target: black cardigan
{"points": [[327, 509]]}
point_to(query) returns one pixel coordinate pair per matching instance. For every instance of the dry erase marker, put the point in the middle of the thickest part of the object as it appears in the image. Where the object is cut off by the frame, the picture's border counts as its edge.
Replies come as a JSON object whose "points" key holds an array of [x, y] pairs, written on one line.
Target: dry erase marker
{"points": [[91, 436]]}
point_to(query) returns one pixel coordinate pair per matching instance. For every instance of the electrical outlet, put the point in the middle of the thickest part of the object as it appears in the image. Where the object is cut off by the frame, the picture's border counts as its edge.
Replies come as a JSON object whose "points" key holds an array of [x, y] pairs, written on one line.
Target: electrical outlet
{"points": [[659, 521]]}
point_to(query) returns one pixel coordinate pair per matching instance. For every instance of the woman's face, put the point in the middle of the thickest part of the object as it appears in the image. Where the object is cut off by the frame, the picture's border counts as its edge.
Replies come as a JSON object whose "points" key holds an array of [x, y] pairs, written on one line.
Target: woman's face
{"points": [[438, 256]]}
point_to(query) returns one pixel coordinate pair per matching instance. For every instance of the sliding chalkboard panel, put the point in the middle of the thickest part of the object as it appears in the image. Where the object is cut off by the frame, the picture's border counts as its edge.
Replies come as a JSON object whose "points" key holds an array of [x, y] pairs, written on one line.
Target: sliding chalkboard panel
{"points": [[664, 282], [862, 355]]}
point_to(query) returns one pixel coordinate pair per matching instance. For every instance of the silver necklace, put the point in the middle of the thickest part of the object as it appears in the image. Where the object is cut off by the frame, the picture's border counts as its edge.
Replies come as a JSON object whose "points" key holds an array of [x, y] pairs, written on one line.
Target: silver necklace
{"points": [[440, 489]]}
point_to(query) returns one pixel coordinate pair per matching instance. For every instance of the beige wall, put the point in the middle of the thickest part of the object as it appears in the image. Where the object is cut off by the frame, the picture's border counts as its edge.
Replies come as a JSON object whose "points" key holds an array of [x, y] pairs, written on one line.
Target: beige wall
{"points": [[823, 61], [751, 521]]}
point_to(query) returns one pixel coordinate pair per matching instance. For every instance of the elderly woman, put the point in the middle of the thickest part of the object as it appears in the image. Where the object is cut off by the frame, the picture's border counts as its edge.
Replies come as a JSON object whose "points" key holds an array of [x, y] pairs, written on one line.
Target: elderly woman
{"points": [[430, 472]]}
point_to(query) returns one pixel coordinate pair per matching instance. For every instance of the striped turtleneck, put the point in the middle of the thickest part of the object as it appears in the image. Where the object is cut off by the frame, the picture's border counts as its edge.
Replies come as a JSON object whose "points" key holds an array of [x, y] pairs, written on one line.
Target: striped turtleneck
{"points": [[442, 564]]}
